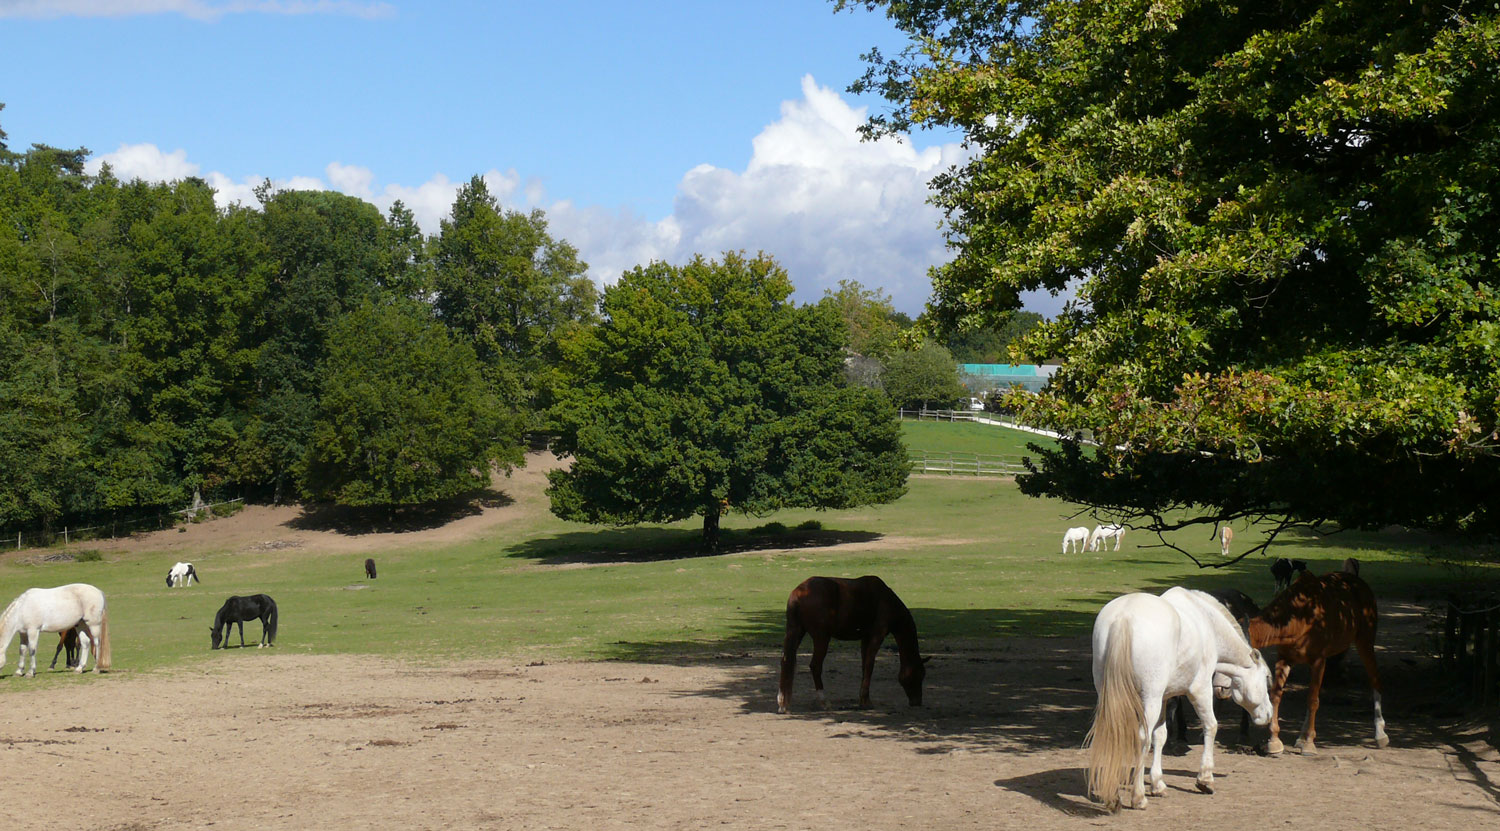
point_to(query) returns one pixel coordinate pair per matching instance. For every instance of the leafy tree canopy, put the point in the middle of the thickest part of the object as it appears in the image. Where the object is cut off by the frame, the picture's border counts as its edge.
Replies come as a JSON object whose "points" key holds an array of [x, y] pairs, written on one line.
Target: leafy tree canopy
{"points": [[926, 377], [1278, 219], [404, 417], [703, 391], [508, 288]]}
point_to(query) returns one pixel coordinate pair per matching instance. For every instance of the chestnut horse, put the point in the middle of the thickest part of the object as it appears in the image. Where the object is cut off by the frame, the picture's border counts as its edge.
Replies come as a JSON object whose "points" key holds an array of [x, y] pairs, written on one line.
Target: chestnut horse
{"points": [[1318, 617], [864, 610]]}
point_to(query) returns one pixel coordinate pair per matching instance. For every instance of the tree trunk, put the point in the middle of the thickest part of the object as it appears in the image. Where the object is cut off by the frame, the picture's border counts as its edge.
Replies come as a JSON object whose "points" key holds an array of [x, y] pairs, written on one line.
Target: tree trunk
{"points": [[711, 529]]}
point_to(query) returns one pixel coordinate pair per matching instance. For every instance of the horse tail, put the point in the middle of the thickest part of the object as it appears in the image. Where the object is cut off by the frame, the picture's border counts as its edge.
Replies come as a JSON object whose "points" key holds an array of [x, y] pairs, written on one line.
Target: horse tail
{"points": [[103, 659], [1113, 742], [271, 623]]}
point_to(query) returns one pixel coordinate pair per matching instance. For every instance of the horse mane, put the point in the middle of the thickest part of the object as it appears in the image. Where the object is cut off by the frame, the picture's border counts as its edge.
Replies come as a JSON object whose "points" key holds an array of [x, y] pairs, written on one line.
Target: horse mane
{"points": [[1208, 600], [9, 614]]}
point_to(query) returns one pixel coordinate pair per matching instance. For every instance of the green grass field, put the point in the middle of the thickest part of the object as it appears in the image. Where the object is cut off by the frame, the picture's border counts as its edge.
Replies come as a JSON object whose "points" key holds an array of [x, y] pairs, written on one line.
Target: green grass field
{"points": [[975, 560]]}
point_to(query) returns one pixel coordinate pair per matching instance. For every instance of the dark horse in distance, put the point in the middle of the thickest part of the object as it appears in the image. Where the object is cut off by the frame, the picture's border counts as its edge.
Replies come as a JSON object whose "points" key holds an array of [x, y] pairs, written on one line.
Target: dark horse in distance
{"points": [[863, 609], [240, 609]]}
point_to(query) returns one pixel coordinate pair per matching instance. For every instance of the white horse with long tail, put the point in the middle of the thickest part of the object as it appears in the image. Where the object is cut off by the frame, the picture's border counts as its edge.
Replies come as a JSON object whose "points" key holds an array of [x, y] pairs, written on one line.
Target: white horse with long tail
{"points": [[1148, 649], [56, 610]]}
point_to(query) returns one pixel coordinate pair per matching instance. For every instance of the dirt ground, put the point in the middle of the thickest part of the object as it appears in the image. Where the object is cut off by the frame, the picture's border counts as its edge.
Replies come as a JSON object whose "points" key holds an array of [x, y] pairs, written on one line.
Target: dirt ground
{"points": [[258, 739]]}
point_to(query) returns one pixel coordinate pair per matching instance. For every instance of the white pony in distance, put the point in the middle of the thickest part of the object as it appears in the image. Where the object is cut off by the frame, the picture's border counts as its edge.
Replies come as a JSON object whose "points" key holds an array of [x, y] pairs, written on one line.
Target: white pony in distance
{"points": [[1148, 649], [1102, 533], [1076, 537], [56, 610]]}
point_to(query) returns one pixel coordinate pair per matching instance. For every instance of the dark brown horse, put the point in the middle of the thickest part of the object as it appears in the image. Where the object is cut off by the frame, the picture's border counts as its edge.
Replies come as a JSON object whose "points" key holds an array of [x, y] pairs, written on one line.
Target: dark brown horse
{"points": [[67, 641], [1315, 618], [864, 610]]}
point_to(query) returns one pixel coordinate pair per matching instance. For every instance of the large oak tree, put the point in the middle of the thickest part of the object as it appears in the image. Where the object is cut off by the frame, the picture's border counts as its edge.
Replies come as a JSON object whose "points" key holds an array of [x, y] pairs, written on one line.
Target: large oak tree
{"points": [[704, 391], [1278, 219]]}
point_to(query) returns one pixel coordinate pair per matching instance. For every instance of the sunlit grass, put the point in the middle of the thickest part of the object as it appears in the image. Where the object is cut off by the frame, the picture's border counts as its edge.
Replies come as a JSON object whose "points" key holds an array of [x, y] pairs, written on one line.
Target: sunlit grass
{"points": [[976, 560]]}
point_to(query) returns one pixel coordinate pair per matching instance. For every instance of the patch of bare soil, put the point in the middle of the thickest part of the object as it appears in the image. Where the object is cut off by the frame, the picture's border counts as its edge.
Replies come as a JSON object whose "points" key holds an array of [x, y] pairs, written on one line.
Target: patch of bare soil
{"points": [[322, 530], [261, 739]]}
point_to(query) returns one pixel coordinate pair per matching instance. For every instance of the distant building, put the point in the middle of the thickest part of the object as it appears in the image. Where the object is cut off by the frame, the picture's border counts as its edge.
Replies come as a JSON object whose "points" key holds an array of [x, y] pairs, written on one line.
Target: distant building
{"points": [[983, 378]]}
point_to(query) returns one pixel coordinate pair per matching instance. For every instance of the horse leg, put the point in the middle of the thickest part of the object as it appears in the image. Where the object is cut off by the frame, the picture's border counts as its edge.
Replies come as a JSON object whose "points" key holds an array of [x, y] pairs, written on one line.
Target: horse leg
{"points": [[21, 663], [820, 650], [33, 637], [85, 646], [1367, 656], [1203, 702], [1309, 725], [867, 663], [1154, 715], [1278, 687], [242, 633], [789, 646]]}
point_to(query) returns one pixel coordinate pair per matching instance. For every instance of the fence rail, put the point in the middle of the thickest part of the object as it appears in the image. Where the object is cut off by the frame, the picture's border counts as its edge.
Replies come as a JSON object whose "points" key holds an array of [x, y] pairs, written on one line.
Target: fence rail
{"points": [[160, 522], [966, 464]]}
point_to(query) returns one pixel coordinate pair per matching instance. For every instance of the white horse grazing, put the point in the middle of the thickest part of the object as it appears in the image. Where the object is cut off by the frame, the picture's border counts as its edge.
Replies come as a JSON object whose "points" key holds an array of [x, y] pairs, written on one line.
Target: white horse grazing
{"points": [[1102, 534], [1148, 649], [56, 610], [182, 574], [1077, 537], [1226, 537]]}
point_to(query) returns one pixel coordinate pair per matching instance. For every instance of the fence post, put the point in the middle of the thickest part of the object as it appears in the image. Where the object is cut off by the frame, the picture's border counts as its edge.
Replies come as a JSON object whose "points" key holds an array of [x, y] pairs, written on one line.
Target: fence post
{"points": [[65, 535]]}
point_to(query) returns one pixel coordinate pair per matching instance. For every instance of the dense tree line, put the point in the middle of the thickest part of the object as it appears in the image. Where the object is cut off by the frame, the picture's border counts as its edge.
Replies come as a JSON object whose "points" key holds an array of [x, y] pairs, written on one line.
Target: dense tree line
{"points": [[154, 346]]}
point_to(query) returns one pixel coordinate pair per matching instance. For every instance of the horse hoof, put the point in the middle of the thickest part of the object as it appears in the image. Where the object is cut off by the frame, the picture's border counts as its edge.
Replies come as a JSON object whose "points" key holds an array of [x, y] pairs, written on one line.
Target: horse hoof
{"points": [[1308, 749], [1382, 740], [1274, 747], [1205, 787]]}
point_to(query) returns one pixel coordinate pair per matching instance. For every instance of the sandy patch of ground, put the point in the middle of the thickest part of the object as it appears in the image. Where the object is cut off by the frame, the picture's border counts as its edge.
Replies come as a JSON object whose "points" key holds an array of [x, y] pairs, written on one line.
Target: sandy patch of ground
{"points": [[261, 739], [269, 528]]}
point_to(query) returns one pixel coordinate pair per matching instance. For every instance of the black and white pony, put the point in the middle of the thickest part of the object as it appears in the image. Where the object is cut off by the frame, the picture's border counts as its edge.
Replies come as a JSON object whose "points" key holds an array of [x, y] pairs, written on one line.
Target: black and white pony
{"points": [[182, 574], [240, 609]]}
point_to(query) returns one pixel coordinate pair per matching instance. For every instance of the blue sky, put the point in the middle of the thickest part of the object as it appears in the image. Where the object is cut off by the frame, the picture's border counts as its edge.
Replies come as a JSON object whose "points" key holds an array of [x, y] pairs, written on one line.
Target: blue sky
{"points": [[645, 130]]}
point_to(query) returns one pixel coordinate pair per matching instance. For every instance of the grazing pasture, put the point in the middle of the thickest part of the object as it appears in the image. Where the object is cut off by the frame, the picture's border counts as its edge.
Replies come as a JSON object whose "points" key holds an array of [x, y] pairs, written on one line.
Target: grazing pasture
{"points": [[602, 675]]}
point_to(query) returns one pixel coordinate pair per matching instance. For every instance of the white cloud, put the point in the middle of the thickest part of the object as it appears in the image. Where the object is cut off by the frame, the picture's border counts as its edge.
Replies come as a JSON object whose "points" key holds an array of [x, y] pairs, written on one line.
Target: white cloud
{"points": [[826, 205], [351, 179], [206, 10], [145, 161]]}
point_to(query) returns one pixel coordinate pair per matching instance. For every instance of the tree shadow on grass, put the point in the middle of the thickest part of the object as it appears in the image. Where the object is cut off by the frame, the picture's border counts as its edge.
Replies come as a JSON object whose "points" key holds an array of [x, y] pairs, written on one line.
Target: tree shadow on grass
{"points": [[399, 519], [654, 544]]}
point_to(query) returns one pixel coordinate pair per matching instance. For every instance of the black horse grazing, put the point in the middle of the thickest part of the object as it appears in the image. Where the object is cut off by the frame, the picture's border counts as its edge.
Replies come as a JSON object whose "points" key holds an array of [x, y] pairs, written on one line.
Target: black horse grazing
{"points": [[1243, 608], [864, 610], [370, 568], [240, 609], [1284, 571]]}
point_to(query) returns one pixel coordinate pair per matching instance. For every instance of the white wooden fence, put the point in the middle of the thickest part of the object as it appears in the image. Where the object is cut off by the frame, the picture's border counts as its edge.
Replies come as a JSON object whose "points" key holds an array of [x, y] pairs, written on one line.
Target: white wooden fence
{"points": [[966, 464]]}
